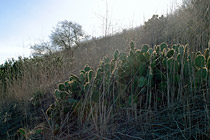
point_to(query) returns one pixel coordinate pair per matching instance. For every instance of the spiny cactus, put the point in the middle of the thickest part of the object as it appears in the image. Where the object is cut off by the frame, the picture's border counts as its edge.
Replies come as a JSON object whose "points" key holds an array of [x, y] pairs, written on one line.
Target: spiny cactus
{"points": [[132, 45], [181, 50], [170, 53], [61, 87], [163, 46], [116, 55], [157, 49], [87, 68], [201, 74], [90, 75], [200, 61], [145, 48], [60, 94], [150, 51], [127, 78], [142, 81], [74, 77], [122, 56]]}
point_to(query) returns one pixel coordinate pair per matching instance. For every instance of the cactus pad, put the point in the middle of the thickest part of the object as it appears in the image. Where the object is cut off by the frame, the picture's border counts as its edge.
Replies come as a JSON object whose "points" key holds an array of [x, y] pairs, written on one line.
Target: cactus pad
{"points": [[200, 61]]}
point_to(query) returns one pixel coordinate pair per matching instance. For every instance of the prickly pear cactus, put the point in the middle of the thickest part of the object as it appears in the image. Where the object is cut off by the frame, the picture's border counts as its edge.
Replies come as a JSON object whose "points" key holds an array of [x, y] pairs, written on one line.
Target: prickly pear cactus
{"points": [[128, 78], [200, 61]]}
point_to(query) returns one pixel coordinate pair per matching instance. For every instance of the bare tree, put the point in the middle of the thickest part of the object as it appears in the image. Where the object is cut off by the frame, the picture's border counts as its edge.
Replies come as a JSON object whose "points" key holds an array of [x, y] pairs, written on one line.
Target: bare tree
{"points": [[42, 48], [66, 35]]}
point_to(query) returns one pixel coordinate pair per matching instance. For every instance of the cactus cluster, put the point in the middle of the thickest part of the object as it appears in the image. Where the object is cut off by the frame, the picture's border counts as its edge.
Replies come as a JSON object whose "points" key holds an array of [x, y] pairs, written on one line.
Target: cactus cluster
{"points": [[69, 93], [145, 74]]}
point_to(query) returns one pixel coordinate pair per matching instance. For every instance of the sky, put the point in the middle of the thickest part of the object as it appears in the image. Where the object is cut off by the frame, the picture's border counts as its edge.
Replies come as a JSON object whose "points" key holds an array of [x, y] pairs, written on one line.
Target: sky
{"points": [[26, 22]]}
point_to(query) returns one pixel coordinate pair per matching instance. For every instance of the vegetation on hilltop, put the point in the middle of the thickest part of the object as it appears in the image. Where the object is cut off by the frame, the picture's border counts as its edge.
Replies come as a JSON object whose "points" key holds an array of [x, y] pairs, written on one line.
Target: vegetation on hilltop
{"points": [[163, 91]]}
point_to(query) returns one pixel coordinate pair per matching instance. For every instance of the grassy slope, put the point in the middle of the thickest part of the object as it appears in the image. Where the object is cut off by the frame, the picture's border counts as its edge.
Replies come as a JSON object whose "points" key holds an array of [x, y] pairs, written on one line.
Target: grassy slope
{"points": [[155, 94]]}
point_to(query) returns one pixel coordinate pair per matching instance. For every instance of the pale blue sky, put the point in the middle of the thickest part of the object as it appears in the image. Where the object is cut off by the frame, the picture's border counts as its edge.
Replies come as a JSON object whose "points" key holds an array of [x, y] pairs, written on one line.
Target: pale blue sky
{"points": [[25, 22]]}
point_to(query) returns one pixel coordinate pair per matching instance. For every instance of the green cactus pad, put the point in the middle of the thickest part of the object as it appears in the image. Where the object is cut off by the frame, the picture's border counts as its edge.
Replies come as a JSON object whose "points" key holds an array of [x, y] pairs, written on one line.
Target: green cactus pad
{"points": [[140, 56], [106, 59], [90, 75], [164, 62], [142, 68], [206, 53], [186, 51], [170, 53], [132, 45], [163, 46], [170, 62], [66, 83], [61, 87], [122, 56], [173, 65], [200, 61], [60, 94], [178, 58], [150, 51], [74, 86], [87, 68], [141, 82], [72, 101], [147, 56], [181, 50], [201, 74], [145, 48], [176, 48], [157, 49], [82, 77], [82, 71], [116, 55], [112, 64], [107, 67], [22, 131], [73, 77]]}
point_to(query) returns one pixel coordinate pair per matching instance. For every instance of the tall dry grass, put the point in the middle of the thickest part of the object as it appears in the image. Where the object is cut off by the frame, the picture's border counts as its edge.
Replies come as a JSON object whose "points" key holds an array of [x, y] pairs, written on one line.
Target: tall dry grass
{"points": [[178, 110]]}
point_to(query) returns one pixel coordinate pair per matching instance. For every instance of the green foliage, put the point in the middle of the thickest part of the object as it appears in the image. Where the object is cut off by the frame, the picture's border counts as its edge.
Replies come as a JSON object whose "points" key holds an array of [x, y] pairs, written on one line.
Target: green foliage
{"points": [[163, 46], [12, 120], [170, 53], [87, 68], [145, 48], [127, 79], [116, 55], [36, 98], [201, 74], [22, 132], [61, 87], [200, 61], [206, 53], [181, 50], [142, 82], [11, 70], [132, 45]]}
